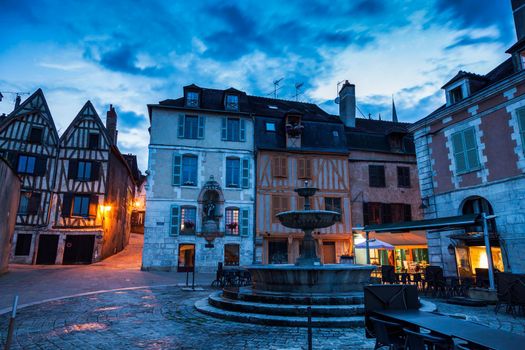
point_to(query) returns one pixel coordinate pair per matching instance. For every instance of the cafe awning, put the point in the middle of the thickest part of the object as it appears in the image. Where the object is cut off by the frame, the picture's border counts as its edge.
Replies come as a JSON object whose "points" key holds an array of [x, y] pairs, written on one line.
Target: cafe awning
{"points": [[375, 244], [413, 238], [450, 222]]}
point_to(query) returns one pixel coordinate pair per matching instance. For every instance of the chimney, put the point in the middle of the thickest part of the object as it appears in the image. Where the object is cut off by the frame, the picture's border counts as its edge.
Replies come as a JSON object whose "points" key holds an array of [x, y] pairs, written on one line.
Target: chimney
{"points": [[347, 104], [17, 101], [111, 124], [518, 9]]}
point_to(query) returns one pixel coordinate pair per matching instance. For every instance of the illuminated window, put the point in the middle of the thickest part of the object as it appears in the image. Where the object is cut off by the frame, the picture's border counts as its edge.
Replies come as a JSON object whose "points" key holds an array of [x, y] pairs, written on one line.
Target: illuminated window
{"points": [[188, 219], [232, 221], [192, 99]]}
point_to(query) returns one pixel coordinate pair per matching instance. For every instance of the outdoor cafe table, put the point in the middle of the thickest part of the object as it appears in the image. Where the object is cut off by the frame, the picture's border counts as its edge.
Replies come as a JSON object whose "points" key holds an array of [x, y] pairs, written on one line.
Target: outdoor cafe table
{"points": [[452, 327]]}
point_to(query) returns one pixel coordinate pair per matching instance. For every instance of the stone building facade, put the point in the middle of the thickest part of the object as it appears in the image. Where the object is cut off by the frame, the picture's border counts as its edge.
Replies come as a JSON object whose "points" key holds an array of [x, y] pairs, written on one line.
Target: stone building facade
{"points": [[200, 189], [9, 197], [471, 159]]}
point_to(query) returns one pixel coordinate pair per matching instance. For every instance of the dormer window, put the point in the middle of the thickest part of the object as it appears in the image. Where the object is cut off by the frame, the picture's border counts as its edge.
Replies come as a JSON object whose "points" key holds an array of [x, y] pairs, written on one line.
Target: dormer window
{"points": [[522, 59], [456, 94], [232, 102], [192, 99]]}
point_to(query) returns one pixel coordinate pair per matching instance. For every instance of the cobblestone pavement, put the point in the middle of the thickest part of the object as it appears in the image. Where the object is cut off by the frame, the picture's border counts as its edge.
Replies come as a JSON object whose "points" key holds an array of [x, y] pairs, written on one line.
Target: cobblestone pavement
{"points": [[164, 318], [158, 318]]}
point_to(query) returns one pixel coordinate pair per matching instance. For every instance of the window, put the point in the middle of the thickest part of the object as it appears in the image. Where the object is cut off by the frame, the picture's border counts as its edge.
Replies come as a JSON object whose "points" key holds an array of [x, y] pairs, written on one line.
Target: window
{"points": [[403, 176], [23, 244], [232, 102], [456, 94], [192, 99], [94, 141], [189, 170], [270, 127], [279, 167], [81, 206], [191, 127], [186, 262], [231, 255], [333, 204], [521, 121], [522, 59], [386, 213], [29, 203], [376, 175], [465, 150], [304, 168], [233, 129], [232, 221], [279, 204], [35, 135], [233, 172], [84, 171], [26, 164], [188, 219]]}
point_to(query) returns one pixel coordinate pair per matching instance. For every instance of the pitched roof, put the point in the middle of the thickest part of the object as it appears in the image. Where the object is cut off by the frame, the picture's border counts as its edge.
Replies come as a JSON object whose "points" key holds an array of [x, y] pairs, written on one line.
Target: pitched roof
{"points": [[463, 74], [86, 111], [131, 159], [210, 99]]}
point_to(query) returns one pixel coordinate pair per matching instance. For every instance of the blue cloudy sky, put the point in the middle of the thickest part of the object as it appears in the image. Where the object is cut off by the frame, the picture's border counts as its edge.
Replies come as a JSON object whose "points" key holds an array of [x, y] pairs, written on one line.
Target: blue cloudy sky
{"points": [[130, 53]]}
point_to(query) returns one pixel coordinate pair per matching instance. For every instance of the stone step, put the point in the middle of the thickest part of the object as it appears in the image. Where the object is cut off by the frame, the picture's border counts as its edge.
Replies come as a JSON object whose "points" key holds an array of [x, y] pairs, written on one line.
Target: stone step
{"points": [[247, 294], [217, 300], [204, 307]]}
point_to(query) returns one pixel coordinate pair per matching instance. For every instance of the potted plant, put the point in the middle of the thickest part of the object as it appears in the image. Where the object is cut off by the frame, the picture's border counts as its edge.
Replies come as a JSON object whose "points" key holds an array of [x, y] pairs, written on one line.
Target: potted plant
{"points": [[189, 225], [294, 129], [232, 226]]}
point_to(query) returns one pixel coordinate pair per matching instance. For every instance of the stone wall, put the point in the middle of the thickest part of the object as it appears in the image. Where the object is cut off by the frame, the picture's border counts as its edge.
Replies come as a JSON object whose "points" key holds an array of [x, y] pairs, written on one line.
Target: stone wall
{"points": [[9, 197]]}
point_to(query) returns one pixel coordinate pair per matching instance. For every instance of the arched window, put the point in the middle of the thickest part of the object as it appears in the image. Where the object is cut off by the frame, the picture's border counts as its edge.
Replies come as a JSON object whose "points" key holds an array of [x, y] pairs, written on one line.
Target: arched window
{"points": [[232, 221], [478, 205]]}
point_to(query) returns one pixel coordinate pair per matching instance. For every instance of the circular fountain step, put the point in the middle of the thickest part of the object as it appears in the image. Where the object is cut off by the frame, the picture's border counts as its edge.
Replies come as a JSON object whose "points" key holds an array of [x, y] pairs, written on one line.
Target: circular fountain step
{"points": [[219, 301], [204, 306], [248, 294]]}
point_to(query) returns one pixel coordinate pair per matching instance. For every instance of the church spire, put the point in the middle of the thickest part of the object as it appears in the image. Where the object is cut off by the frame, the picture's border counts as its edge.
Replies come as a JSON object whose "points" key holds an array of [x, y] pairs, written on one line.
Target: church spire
{"points": [[394, 112]]}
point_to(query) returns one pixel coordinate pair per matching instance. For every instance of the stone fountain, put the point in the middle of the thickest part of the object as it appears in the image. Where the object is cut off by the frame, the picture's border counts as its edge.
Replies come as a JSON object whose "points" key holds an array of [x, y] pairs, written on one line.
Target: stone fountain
{"points": [[280, 293]]}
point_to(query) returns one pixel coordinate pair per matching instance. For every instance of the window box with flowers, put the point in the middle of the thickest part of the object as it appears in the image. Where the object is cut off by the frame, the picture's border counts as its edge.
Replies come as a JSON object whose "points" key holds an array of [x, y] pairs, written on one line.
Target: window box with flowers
{"points": [[294, 129], [188, 227], [232, 228]]}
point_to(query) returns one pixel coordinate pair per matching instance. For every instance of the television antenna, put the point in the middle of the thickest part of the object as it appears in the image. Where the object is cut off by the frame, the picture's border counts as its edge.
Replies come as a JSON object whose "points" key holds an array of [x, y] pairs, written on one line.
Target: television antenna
{"points": [[298, 86], [275, 85]]}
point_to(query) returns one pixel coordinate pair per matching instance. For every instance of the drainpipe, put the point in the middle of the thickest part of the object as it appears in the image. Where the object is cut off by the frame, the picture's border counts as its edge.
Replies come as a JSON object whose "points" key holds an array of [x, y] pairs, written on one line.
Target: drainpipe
{"points": [[487, 247]]}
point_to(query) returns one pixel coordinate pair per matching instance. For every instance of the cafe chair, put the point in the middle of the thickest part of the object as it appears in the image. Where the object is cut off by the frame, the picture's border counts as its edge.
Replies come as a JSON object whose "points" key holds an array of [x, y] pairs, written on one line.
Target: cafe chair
{"points": [[518, 294], [219, 277], [388, 334], [426, 341], [504, 291], [388, 274]]}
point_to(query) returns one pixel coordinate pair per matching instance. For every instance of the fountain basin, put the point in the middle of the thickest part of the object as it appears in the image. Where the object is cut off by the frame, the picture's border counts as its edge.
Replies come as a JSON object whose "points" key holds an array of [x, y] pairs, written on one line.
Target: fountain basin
{"points": [[308, 219], [325, 279]]}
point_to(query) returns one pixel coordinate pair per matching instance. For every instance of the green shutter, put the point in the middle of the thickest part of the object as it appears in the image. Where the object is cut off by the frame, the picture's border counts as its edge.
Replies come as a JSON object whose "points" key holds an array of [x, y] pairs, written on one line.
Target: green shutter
{"points": [[224, 129], [177, 169], [174, 220], [521, 121], [200, 134], [245, 173], [242, 130], [459, 152], [245, 221], [181, 126]]}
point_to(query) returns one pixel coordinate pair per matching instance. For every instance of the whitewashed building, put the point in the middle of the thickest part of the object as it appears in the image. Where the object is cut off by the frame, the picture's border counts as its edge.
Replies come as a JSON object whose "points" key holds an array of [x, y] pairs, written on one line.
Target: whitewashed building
{"points": [[200, 187]]}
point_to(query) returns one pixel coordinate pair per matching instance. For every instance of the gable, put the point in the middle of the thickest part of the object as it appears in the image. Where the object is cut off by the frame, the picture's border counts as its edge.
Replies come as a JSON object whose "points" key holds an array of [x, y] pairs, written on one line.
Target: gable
{"points": [[87, 121]]}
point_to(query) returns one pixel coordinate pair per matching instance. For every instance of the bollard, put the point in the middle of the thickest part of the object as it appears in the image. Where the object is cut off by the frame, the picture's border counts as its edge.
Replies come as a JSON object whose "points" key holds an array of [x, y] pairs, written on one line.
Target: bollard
{"points": [[11, 328], [309, 311]]}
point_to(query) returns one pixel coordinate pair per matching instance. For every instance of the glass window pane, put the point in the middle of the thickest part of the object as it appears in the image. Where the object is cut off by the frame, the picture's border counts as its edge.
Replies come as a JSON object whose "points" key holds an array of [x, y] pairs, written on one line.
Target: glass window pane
{"points": [[22, 161], [460, 162], [457, 143], [189, 170], [472, 158], [470, 138]]}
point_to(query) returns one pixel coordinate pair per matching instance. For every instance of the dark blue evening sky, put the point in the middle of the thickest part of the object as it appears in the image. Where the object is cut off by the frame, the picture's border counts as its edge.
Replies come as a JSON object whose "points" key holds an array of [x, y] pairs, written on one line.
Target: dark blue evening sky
{"points": [[130, 53]]}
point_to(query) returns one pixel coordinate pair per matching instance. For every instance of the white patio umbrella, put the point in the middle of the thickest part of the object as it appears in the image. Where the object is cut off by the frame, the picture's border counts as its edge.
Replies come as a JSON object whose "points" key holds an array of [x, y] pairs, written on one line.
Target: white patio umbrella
{"points": [[375, 244]]}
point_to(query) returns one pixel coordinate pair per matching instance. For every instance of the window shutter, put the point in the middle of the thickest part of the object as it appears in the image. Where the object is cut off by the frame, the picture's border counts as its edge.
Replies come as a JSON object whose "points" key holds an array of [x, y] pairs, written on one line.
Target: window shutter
{"points": [[95, 171], [177, 169], [471, 148], [276, 202], [284, 167], [41, 166], [93, 205], [12, 158], [521, 122], [408, 213], [72, 169], [308, 168], [276, 165], [245, 175], [181, 126], [174, 220], [365, 214], [67, 199], [285, 203], [459, 152], [386, 213], [34, 203], [224, 129], [300, 168], [242, 130], [245, 212], [201, 128]]}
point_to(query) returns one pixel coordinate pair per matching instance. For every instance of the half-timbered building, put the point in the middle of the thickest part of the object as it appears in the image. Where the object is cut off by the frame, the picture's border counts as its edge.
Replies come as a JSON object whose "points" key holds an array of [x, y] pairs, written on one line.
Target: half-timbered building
{"points": [[76, 191], [297, 143]]}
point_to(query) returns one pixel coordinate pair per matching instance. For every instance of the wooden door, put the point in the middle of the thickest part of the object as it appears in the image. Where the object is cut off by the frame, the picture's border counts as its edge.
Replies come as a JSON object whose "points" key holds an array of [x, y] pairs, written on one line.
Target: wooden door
{"points": [[79, 249], [47, 249], [329, 252]]}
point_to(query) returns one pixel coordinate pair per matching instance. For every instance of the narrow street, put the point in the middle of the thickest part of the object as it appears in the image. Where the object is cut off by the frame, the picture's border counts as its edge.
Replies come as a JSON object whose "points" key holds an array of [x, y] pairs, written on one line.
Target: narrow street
{"points": [[37, 283]]}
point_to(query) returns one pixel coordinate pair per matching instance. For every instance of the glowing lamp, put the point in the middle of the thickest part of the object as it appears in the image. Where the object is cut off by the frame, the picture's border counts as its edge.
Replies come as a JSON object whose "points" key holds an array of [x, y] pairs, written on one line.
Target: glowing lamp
{"points": [[105, 208]]}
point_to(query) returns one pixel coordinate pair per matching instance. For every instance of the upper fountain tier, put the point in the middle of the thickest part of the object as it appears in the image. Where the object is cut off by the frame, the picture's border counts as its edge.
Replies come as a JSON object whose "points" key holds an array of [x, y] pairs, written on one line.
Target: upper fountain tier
{"points": [[308, 219]]}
